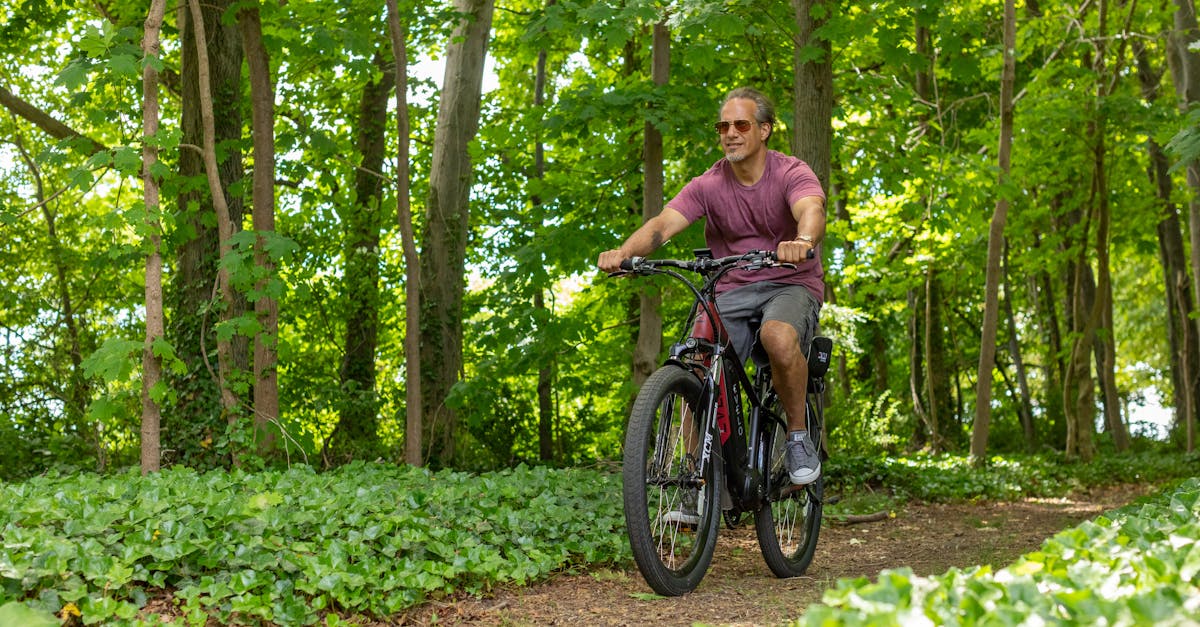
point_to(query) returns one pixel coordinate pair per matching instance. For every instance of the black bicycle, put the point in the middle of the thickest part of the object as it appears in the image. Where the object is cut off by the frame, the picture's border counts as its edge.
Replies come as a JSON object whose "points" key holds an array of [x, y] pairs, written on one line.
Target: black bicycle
{"points": [[691, 456]]}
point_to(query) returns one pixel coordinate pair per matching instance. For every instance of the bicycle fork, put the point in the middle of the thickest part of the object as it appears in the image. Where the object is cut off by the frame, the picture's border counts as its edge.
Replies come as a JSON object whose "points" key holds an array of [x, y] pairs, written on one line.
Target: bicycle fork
{"points": [[722, 397]]}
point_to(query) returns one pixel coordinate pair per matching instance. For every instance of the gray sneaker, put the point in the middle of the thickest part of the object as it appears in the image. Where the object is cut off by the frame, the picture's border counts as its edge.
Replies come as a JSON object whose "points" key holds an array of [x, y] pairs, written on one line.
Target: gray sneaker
{"points": [[803, 464], [686, 514]]}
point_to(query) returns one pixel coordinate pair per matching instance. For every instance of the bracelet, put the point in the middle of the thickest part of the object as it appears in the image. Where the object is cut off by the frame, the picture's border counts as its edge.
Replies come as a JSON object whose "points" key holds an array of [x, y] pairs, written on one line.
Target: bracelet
{"points": [[806, 238]]}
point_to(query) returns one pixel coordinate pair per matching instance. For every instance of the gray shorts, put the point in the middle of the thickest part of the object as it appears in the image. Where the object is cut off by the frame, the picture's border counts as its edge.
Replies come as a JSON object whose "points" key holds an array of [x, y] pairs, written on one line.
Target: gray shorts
{"points": [[745, 308]]}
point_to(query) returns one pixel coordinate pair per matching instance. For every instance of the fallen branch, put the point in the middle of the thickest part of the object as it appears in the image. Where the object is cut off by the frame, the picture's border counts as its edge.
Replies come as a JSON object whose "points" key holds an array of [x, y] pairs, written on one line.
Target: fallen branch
{"points": [[854, 519]]}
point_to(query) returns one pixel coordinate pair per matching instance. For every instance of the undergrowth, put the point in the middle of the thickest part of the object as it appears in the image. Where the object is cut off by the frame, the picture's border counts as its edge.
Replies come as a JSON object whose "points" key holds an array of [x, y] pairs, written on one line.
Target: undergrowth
{"points": [[299, 547], [1137, 565]]}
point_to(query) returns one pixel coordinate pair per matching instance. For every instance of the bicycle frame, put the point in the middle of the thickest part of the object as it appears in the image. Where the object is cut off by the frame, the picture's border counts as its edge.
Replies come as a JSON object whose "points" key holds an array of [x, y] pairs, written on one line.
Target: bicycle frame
{"points": [[705, 350]]}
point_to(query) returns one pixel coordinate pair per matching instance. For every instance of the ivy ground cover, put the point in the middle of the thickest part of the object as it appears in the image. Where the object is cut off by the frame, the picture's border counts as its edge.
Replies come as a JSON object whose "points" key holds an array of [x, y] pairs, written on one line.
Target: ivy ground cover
{"points": [[291, 547], [1135, 566]]}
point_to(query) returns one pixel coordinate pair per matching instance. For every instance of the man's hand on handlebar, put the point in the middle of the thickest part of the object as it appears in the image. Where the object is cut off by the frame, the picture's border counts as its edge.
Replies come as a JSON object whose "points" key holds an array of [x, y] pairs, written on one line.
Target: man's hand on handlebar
{"points": [[795, 251], [610, 260]]}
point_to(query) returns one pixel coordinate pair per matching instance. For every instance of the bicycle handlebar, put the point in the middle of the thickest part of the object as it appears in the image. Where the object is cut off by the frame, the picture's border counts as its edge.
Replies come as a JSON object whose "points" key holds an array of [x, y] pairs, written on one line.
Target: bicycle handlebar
{"points": [[754, 260]]}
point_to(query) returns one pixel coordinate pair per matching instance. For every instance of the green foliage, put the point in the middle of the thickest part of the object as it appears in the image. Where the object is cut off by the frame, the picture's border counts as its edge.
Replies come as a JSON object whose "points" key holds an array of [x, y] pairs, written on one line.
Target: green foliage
{"points": [[866, 426], [287, 547], [1134, 566], [955, 477], [1185, 145]]}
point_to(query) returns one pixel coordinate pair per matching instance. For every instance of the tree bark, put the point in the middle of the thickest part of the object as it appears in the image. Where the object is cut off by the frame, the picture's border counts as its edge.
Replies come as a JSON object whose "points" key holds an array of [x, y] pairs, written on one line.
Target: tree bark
{"points": [[812, 89], [1181, 325], [225, 350], [194, 421], [412, 263], [649, 338], [443, 253], [991, 311], [545, 381], [1184, 63], [262, 106], [151, 363], [355, 435]]}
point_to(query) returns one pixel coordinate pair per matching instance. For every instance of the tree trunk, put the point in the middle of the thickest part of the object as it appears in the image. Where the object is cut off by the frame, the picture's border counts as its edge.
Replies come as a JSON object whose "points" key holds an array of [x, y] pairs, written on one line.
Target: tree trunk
{"points": [[926, 433], [1106, 363], [937, 373], [443, 257], [1184, 62], [649, 339], [412, 263], [812, 89], [1024, 402], [262, 106], [1081, 405], [356, 433], [151, 363], [193, 422], [226, 366], [1181, 326], [545, 381], [991, 311]]}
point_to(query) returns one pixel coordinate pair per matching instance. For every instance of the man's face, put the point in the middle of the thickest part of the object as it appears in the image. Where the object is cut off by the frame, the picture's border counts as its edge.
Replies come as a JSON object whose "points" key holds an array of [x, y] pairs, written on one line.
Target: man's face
{"points": [[740, 145]]}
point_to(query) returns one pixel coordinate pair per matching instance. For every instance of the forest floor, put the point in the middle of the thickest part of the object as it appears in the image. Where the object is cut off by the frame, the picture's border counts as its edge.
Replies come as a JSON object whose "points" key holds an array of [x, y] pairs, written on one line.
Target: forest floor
{"points": [[740, 590]]}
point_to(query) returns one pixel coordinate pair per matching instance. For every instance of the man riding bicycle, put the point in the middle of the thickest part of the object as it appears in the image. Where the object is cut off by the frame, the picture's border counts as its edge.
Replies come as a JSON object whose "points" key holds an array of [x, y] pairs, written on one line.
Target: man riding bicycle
{"points": [[756, 198]]}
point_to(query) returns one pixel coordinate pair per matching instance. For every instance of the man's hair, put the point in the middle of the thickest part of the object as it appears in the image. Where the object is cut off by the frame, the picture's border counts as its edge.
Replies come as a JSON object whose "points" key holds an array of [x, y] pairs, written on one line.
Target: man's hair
{"points": [[764, 110]]}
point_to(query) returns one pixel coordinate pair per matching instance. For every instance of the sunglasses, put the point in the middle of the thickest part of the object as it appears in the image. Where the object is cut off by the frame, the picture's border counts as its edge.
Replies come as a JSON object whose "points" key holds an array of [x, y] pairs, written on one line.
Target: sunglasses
{"points": [[742, 126]]}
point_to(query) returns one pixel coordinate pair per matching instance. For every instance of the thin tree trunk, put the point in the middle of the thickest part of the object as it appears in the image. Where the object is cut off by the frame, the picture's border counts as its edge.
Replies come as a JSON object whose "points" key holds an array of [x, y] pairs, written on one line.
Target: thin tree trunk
{"points": [[356, 433], [1106, 361], [649, 342], [937, 375], [447, 224], [1184, 62], [151, 363], [262, 106], [225, 357], [987, 347], [1025, 402], [545, 381], [412, 263], [926, 433]]}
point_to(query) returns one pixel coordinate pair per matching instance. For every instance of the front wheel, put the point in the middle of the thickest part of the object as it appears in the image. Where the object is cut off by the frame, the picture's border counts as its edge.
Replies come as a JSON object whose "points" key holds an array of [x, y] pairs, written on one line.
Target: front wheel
{"points": [[672, 502], [790, 521]]}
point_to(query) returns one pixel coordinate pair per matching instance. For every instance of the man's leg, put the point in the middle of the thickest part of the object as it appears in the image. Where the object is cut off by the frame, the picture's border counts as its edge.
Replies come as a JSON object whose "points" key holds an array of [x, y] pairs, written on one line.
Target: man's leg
{"points": [[789, 320], [789, 369]]}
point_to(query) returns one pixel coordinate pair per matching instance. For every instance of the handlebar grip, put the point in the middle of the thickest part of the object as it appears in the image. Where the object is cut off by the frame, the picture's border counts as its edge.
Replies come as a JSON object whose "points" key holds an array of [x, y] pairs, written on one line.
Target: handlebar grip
{"points": [[812, 253], [627, 264]]}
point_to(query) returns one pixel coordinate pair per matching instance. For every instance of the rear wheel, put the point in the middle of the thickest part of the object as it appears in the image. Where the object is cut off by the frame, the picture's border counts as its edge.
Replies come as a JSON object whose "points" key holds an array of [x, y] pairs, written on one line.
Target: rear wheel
{"points": [[672, 506], [790, 521]]}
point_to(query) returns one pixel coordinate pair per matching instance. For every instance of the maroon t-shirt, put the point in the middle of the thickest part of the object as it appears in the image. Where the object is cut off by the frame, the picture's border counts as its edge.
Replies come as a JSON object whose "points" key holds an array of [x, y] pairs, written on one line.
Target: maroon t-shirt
{"points": [[758, 217]]}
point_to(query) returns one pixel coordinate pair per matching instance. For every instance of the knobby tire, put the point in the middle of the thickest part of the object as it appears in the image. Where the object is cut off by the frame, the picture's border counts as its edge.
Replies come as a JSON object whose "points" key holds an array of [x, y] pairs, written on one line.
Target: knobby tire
{"points": [[659, 466], [789, 523]]}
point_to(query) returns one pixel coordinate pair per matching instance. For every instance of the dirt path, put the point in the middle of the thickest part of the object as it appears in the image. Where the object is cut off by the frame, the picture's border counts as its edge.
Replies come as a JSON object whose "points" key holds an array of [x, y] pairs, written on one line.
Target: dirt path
{"points": [[739, 589]]}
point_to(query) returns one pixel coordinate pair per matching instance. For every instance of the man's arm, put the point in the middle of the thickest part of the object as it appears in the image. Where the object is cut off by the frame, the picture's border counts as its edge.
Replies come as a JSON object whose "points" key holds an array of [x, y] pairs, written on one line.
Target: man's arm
{"points": [[654, 233], [809, 213]]}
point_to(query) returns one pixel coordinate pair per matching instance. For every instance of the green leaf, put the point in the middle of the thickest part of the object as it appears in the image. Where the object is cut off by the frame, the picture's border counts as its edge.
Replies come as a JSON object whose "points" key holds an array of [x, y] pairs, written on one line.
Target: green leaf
{"points": [[127, 160], [74, 76], [125, 65], [16, 613], [114, 360]]}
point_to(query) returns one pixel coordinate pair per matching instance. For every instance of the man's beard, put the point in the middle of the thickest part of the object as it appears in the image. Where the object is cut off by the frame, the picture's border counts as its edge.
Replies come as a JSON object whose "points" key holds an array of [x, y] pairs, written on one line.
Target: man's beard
{"points": [[737, 156]]}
